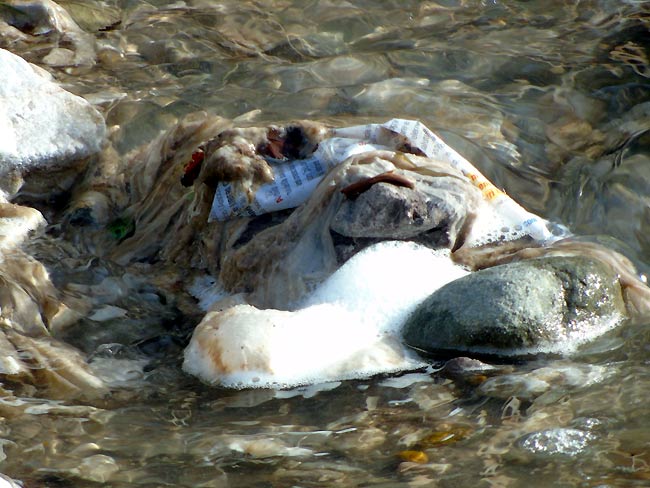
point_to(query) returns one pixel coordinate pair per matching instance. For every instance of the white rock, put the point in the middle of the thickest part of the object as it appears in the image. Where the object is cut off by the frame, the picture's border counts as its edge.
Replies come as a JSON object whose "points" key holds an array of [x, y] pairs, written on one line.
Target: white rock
{"points": [[7, 482], [247, 347], [42, 125], [265, 447]]}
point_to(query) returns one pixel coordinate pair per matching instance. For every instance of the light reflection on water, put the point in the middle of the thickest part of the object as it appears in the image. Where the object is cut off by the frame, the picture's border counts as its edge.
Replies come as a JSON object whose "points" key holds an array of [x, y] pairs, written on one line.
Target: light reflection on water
{"points": [[542, 96]]}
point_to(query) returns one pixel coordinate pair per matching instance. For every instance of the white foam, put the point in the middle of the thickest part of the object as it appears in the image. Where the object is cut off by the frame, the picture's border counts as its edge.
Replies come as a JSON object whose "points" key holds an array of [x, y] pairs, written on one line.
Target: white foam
{"points": [[348, 328], [207, 290], [501, 223], [385, 282]]}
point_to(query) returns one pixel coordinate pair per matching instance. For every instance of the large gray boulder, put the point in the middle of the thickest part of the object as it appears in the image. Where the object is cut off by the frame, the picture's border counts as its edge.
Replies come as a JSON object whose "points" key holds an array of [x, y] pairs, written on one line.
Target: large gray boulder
{"points": [[43, 127], [547, 304]]}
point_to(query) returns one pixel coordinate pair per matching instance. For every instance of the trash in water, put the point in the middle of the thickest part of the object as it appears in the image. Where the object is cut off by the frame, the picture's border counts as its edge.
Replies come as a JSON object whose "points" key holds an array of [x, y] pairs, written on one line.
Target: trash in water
{"points": [[299, 158], [192, 168]]}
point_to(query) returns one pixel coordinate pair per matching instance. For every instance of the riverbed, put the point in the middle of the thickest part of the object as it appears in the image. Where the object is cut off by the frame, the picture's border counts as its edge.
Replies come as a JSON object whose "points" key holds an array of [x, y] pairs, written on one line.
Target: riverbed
{"points": [[549, 99]]}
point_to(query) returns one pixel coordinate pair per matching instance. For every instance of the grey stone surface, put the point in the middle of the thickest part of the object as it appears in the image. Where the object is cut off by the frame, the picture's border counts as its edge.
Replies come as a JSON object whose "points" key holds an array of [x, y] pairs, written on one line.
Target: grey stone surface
{"points": [[534, 305], [42, 125], [387, 211]]}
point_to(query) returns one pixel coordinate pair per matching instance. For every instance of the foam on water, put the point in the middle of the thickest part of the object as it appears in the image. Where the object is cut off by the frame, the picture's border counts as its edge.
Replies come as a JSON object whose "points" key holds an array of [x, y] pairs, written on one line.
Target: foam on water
{"points": [[495, 224], [386, 281], [347, 328]]}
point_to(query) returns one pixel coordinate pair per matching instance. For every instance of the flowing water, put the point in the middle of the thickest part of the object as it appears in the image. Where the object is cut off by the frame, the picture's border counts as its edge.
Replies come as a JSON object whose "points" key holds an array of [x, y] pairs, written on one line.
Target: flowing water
{"points": [[550, 99]]}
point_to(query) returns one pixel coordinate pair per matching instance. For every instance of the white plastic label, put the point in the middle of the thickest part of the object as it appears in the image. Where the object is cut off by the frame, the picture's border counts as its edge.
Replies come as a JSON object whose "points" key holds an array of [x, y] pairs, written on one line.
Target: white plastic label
{"points": [[294, 182]]}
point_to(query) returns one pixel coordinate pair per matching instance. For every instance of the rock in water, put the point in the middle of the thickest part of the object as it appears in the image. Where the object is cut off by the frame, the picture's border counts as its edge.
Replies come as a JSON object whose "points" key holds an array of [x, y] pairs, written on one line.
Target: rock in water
{"points": [[548, 304], [46, 136], [29, 21], [43, 126], [396, 212]]}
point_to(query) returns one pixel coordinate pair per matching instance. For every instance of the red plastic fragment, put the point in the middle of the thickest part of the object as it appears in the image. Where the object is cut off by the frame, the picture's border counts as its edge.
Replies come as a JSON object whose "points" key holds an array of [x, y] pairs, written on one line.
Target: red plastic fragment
{"points": [[192, 168]]}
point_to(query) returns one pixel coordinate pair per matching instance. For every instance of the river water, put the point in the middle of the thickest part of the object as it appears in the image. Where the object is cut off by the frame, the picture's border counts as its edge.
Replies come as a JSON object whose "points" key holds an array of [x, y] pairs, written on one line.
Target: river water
{"points": [[549, 99]]}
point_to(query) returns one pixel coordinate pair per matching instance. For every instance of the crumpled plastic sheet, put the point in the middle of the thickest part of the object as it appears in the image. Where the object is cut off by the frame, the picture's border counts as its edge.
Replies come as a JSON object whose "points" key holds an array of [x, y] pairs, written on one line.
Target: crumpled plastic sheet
{"points": [[295, 180]]}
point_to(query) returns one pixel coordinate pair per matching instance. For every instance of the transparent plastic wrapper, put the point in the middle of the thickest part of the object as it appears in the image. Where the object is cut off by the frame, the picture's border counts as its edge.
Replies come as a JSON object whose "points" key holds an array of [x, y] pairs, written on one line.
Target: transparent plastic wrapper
{"points": [[295, 180]]}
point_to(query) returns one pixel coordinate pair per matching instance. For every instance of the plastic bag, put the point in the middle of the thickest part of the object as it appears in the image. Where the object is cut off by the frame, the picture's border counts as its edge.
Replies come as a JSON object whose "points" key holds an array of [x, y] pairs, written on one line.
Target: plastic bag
{"points": [[295, 180]]}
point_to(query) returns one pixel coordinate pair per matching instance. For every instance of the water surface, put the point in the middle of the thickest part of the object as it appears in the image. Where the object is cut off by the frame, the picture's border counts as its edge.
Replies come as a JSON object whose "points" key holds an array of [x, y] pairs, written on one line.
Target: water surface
{"points": [[550, 99]]}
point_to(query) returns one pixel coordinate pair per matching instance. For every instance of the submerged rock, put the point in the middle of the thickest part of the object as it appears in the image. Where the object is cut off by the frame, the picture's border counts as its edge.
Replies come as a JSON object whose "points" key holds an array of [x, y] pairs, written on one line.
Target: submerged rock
{"points": [[25, 20], [542, 304], [45, 129], [528, 385], [468, 371]]}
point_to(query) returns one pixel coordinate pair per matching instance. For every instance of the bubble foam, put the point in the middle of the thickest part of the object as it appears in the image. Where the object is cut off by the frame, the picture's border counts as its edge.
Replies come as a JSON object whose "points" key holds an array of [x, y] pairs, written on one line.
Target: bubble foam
{"points": [[349, 327]]}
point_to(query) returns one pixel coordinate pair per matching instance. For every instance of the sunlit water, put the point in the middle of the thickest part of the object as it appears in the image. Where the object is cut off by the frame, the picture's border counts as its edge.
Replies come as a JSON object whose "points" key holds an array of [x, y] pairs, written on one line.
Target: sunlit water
{"points": [[550, 99]]}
